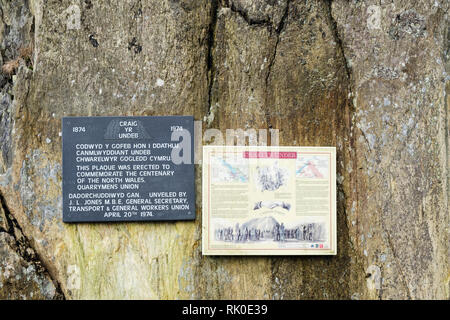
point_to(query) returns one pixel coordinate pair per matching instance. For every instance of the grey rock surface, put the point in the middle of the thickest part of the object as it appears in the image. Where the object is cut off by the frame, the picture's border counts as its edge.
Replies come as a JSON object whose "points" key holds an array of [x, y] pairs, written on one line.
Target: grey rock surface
{"points": [[369, 77]]}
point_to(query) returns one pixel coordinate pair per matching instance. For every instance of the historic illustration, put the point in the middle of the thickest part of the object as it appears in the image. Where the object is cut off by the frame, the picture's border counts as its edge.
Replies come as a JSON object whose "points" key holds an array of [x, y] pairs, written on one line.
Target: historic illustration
{"points": [[269, 229], [271, 177], [265, 201], [272, 205]]}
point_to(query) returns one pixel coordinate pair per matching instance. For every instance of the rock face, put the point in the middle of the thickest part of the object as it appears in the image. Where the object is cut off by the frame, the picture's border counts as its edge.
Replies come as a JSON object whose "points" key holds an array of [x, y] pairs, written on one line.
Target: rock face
{"points": [[22, 275], [370, 78]]}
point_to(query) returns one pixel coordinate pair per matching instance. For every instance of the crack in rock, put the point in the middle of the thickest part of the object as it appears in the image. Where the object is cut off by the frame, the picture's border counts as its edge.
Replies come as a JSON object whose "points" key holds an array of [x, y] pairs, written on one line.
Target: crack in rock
{"points": [[22, 246]]}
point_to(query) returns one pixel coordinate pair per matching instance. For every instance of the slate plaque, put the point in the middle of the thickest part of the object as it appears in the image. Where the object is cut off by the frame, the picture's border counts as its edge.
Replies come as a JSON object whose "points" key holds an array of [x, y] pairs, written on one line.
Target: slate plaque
{"points": [[125, 168]]}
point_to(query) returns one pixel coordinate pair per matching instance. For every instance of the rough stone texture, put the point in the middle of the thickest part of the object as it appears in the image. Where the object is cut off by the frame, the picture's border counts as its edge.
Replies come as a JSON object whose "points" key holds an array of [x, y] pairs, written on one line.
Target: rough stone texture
{"points": [[22, 275], [18, 278], [400, 143], [324, 73]]}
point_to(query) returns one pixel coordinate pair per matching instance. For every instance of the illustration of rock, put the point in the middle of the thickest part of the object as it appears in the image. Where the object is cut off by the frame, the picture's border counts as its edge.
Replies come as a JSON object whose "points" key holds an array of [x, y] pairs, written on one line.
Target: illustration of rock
{"points": [[272, 205]]}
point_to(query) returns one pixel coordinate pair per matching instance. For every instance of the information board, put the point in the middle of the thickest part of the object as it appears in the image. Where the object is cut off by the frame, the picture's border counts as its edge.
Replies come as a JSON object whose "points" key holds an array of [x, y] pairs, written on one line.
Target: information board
{"points": [[269, 200]]}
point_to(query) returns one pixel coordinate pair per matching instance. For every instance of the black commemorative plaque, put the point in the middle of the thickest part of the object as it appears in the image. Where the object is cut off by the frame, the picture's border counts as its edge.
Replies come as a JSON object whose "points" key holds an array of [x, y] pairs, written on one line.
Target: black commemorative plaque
{"points": [[128, 168]]}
